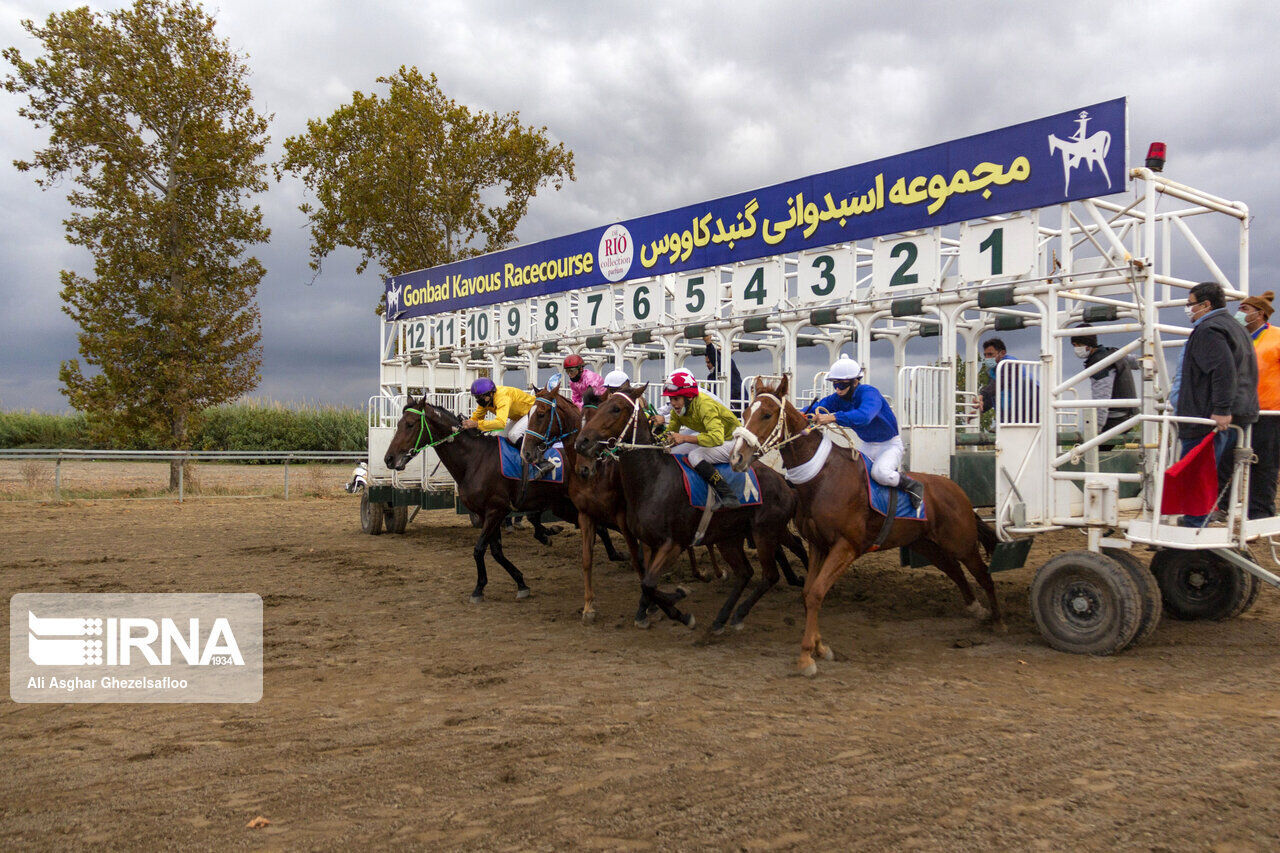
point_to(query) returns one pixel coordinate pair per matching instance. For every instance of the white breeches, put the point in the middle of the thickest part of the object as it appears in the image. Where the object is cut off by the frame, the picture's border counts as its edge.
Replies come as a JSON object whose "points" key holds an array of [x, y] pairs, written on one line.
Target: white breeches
{"points": [[515, 430], [698, 454], [886, 458]]}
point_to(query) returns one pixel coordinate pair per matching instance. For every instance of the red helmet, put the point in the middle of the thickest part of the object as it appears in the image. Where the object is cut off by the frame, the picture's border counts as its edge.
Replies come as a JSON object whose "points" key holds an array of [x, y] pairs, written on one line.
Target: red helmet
{"points": [[574, 360], [680, 384]]}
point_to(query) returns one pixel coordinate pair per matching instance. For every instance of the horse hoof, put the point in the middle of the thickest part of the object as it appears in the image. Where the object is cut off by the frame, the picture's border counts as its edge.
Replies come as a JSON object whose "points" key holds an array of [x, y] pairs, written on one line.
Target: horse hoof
{"points": [[827, 654], [716, 629], [809, 671], [643, 624], [588, 617], [737, 626], [979, 612], [690, 622], [682, 592], [477, 598], [523, 593]]}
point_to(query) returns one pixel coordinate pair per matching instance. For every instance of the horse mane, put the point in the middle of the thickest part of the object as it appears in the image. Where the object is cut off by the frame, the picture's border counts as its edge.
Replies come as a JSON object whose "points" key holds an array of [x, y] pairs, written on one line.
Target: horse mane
{"points": [[590, 397]]}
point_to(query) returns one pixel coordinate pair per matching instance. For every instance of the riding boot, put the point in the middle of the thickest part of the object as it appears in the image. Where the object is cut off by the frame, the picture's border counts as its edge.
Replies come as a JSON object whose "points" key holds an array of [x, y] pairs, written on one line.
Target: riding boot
{"points": [[707, 471], [541, 469], [914, 488]]}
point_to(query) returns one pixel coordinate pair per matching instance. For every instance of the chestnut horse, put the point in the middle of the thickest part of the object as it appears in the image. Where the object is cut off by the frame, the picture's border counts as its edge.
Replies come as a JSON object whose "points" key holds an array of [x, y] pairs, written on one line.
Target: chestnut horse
{"points": [[472, 460], [837, 520], [659, 514], [598, 499]]}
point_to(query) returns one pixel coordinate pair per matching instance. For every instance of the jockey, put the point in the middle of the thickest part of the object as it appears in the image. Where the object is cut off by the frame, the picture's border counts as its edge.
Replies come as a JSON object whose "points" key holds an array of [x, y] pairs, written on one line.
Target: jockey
{"points": [[581, 378], [613, 380], [864, 410], [509, 408], [712, 424]]}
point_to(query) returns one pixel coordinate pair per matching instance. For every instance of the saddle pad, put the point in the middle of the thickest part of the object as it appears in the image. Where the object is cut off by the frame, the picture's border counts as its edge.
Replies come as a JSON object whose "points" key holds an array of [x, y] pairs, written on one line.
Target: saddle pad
{"points": [[878, 495], [511, 463], [745, 485]]}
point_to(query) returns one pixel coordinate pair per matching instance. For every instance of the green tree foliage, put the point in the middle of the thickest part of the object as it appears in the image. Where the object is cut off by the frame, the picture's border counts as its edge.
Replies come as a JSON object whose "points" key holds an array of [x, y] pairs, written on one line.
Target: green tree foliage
{"points": [[407, 180], [150, 117]]}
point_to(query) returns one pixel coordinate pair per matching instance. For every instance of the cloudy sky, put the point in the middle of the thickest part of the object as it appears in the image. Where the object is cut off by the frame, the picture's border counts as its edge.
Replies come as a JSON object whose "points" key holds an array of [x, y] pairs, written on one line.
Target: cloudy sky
{"points": [[666, 104]]}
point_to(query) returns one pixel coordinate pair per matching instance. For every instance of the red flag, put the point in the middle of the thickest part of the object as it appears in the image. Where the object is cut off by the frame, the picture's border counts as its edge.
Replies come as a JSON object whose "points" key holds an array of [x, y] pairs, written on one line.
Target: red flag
{"points": [[1191, 485]]}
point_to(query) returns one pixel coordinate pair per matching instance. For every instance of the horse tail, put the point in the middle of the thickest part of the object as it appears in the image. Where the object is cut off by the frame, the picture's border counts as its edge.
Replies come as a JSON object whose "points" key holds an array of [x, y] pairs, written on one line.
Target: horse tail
{"points": [[986, 534]]}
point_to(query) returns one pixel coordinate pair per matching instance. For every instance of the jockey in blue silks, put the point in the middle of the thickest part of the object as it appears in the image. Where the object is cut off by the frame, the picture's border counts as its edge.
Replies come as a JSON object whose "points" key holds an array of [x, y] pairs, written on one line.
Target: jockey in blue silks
{"points": [[863, 409]]}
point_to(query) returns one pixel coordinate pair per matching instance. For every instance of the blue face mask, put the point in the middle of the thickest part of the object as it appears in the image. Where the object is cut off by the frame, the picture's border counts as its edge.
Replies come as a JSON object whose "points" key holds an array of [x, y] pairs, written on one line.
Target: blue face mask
{"points": [[1241, 319], [989, 364]]}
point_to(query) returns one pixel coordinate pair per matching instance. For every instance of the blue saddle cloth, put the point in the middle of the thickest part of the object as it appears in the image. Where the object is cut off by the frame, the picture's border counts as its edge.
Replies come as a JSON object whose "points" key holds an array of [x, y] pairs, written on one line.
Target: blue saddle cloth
{"points": [[745, 485], [879, 496], [511, 463]]}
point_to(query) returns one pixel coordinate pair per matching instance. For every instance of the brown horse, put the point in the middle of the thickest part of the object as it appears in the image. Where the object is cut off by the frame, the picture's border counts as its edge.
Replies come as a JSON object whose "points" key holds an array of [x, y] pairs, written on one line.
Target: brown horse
{"points": [[472, 460], [659, 514], [837, 520], [598, 499]]}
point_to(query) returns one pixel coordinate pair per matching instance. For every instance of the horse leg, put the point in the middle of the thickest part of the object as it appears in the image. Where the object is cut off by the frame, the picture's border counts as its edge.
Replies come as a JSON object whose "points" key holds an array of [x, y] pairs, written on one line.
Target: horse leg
{"points": [[495, 548], [795, 545], [949, 567], [978, 568], [816, 586], [587, 528], [603, 532], [539, 529], [742, 572], [492, 524], [768, 552], [649, 592]]}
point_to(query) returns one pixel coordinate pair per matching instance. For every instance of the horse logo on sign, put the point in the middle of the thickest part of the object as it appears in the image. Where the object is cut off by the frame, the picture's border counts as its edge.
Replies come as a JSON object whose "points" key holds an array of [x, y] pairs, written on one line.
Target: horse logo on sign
{"points": [[393, 301], [1081, 148]]}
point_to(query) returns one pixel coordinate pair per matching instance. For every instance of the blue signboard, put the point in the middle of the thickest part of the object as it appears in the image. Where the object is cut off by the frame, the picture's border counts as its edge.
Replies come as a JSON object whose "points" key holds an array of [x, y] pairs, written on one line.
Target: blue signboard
{"points": [[1072, 155]]}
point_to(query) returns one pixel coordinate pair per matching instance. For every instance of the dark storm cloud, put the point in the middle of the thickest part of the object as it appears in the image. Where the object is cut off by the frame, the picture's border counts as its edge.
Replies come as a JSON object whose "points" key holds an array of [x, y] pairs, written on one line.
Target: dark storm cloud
{"points": [[666, 104]]}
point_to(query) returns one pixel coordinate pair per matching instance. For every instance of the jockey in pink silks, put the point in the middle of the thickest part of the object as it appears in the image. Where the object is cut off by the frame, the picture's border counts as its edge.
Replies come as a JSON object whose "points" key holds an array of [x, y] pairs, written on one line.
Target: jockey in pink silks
{"points": [[581, 378]]}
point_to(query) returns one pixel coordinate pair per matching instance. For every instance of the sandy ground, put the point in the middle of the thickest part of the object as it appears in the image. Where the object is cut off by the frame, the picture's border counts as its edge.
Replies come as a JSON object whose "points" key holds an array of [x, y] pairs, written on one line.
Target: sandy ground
{"points": [[38, 479], [395, 713]]}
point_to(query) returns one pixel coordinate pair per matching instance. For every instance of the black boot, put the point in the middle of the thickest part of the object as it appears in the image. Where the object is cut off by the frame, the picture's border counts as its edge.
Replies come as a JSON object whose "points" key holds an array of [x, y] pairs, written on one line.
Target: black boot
{"points": [[541, 469], [914, 488], [707, 471]]}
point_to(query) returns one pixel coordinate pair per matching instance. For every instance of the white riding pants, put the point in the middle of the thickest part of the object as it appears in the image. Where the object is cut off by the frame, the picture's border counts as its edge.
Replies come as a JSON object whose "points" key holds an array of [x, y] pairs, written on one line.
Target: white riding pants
{"points": [[886, 458], [698, 454], [515, 430]]}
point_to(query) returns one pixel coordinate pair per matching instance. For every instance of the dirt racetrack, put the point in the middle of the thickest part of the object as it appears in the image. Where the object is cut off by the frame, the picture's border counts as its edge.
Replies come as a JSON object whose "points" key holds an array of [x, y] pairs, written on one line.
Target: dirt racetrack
{"points": [[396, 714]]}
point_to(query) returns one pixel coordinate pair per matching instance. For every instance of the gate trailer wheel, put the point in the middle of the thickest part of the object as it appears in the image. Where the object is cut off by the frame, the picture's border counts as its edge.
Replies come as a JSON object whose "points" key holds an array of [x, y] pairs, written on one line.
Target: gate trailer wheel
{"points": [[1148, 588], [1086, 603], [1201, 585], [370, 515]]}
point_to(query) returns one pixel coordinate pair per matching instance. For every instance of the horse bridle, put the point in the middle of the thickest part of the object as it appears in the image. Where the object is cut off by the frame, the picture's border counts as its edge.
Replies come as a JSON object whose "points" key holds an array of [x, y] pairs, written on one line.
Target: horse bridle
{"points": [[555, 419], [778, 436], [418, 446]]}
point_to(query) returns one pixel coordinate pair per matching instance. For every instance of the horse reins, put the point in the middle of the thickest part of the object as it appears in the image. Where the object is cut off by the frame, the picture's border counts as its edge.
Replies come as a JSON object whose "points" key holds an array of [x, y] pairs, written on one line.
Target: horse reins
{"points": [[418, 446]]}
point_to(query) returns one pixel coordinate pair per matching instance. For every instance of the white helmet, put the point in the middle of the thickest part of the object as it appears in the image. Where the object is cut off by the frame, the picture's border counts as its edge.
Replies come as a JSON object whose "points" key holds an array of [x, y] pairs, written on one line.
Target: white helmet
{"points": [[844, 368], [616, 379]]}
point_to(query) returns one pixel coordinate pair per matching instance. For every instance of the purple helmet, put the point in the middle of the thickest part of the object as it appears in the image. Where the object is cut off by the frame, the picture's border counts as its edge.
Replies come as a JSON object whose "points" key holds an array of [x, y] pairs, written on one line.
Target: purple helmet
{"points": [[483, 385]]}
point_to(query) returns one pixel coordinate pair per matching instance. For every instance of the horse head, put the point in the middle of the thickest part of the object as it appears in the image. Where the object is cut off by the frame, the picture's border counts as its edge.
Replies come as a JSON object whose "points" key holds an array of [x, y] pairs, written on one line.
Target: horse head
{"points": [[552, 418], [763, 420], [421, 425], [610, 420]]}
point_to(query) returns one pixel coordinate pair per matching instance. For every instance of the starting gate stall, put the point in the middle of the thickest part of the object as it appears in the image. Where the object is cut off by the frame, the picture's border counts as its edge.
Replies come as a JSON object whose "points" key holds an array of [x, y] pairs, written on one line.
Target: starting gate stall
{"points": [[910, 263]]}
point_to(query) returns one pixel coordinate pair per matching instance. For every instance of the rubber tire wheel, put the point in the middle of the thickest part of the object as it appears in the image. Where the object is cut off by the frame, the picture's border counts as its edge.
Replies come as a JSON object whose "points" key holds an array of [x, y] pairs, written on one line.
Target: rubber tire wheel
{"points": [[1094, 581], [1152, 601], [370, 515], [395, 519], [1222, 592]]}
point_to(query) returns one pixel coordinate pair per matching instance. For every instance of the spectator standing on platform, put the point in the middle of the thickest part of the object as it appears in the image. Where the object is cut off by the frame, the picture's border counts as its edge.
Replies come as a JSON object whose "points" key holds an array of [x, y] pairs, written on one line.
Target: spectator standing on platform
{"points": [[1255, 314], [1114, 382], [1219, 380]]}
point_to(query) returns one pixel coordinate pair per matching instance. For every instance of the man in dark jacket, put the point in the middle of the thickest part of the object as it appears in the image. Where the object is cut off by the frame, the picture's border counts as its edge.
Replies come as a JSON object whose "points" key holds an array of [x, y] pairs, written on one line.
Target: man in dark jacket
{"points": [[1115, 382], [1219, 379]]}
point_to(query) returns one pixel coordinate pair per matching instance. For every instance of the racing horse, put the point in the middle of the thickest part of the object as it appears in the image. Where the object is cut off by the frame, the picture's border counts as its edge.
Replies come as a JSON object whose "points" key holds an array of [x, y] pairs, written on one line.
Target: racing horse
{"points": [[473, 461], [836, 518], [659, 514], [598, 499]]}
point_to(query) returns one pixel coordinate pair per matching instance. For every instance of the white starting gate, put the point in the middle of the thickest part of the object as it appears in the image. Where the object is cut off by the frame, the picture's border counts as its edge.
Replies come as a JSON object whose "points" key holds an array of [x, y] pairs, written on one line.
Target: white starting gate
{"points": [[932, 294]]}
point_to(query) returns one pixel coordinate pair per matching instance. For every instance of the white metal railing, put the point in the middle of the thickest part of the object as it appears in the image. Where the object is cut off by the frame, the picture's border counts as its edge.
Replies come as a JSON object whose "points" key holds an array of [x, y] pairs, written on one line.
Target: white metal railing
{"points": [[60, 455]]}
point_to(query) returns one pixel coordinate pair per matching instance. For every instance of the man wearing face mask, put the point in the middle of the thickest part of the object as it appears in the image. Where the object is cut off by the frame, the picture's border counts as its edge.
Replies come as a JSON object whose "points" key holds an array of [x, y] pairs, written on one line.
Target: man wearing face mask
{"points": [[1017, 396], [1219, 380], [1113, 383], [1255, 315]]}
